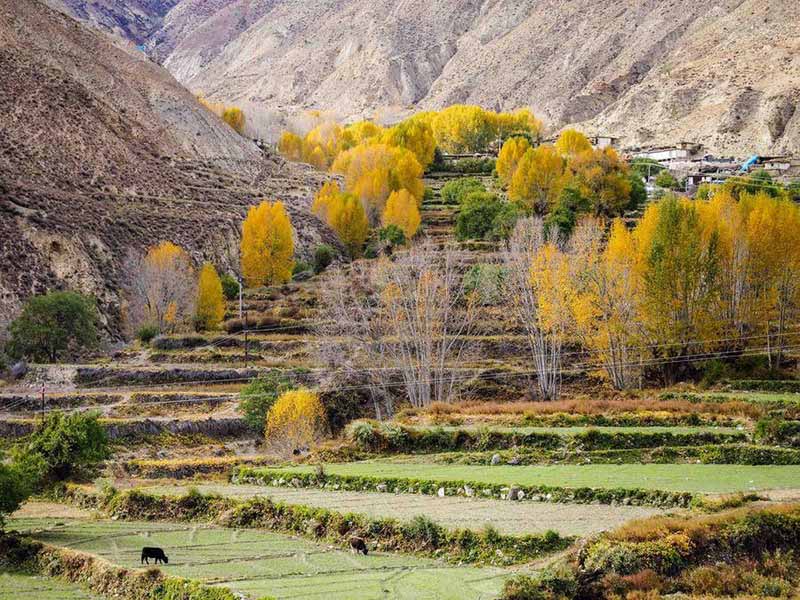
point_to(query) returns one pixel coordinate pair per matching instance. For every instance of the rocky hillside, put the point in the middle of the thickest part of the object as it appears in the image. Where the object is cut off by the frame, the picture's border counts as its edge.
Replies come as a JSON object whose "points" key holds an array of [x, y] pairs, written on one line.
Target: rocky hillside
{"points": [[102, 153], [724, 72]]}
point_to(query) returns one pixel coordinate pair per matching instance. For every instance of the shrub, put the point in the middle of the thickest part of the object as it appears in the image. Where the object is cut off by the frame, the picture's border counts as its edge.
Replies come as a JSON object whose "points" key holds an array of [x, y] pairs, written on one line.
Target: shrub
{"points": [[790, 386], [665, 179], [486, 281], [323, 257], [258, 396], [15, 487], [455, 191], [55, 326], [477, 214], [146, 333], [393, 235], [504, 222], [230, 287], [483, 166], [301, 266], [428, 195], [295, 420]]}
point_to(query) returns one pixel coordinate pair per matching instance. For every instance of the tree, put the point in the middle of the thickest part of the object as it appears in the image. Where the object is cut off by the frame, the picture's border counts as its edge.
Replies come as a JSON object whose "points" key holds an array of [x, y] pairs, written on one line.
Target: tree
{"points": [[210, 308], [666, 180], [401, 210], [602, 177], [258, 396], [414, 135], [230, 287], [290, 146], [53, 327], [476, 218], [571, 143], [345, 214], [296, 420], [267, 247], [234, 117], [64, 447], [510, 155], [162, 288], [538, 180], [638, 196], [16, 486]]}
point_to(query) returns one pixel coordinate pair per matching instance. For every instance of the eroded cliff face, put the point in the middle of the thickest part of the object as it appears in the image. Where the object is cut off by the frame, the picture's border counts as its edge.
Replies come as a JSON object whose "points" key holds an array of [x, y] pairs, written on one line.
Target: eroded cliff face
{"points": [[723, 72], [103, 153]]}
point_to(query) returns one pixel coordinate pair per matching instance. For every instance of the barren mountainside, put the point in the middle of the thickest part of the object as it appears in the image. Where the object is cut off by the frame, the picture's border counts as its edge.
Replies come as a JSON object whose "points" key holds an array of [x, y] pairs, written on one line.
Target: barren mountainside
{"points": [[726, 73], [103, 153]]}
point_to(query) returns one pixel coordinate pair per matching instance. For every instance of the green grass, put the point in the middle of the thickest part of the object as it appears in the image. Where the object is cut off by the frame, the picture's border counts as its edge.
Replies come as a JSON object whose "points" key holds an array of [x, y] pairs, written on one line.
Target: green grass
{"points": [[755, 397], [672, 478], [259, 563], [573, 430], [19, 586]]}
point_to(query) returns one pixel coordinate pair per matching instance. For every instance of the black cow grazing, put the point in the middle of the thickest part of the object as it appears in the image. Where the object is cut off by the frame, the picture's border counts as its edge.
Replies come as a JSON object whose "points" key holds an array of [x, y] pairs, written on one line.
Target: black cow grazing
{"points": [[156, 553], [358, 545]]}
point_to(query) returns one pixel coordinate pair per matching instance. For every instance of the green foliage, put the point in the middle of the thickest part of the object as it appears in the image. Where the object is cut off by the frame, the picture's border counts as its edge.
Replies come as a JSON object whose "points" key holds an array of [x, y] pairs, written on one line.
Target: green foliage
{"points": [[773, 430], [791, 386], [428, 195], [666, 180], [15, 487], [230, 287], [646, 166], [456, 191], [504, 221], [258, 396], [424, 529], [638, 191], [483, 166], [393, 235], [487, 282], [65, 447], [56, 326], [323, 257], [476, 218], [146, 333], [562, 219], [301, 266]]}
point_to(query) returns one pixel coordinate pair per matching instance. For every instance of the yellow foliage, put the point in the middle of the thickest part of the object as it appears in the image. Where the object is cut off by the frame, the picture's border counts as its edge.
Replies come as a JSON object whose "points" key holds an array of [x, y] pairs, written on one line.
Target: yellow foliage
{"points": [[165, 287], [329, 191], [363, 131], [401, 210], [232, 115], [347, 218], [296, 420], [571, 143], [551, 280], [290, 146], [462, 128], [602, 177], [511, 153], [267, 247], [414, 135], [210, 309], [538, 180]]}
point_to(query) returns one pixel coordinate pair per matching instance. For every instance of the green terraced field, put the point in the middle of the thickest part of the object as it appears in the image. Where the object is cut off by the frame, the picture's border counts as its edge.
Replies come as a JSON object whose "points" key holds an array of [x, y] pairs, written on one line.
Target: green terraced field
{"points": [[672, 478], [572, 430], [453, 512], [758, 397], [261, 564], [17, 586]]}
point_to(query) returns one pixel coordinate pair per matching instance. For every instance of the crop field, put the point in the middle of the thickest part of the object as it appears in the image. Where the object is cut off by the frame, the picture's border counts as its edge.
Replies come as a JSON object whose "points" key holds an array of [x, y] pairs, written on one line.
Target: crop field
{"points": [[258, 563], [703, 479], [452, 512], [757, 397], [573, 430], [20, 586]]}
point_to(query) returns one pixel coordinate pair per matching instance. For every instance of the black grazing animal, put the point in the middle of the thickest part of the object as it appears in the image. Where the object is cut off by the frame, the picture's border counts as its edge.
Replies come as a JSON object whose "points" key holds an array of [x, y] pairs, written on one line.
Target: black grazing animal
{"points": [[156, 553], [358, 545]]}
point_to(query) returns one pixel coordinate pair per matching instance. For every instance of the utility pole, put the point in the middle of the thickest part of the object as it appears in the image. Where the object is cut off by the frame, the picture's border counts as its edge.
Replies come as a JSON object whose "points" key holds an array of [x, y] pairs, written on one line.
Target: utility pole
{"points": [[240, 295], [246, 345]]}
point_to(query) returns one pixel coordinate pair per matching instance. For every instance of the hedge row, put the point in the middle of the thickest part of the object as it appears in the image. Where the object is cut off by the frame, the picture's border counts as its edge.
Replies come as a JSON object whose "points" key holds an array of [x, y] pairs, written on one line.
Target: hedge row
{"points": [[765, 385], [778, 431], [100, 576], [188, 468], [392, 438], [400, 485], [419, 536]]}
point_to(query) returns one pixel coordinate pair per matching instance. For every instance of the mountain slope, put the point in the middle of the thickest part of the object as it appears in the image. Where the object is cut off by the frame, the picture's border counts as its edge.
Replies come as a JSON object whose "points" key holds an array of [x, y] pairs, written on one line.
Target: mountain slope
{"points": [[723, 72], [102, 153]]}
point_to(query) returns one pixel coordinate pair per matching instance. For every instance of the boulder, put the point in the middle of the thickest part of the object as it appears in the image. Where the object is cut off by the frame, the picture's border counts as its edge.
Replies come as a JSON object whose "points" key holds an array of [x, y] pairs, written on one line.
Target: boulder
{"points": [[496, 459], [515, 493], [19, 370]]}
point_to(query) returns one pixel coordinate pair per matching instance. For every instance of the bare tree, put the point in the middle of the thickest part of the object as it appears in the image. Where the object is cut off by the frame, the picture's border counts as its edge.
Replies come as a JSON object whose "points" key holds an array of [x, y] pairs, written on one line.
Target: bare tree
{"points": [[405, 319]]}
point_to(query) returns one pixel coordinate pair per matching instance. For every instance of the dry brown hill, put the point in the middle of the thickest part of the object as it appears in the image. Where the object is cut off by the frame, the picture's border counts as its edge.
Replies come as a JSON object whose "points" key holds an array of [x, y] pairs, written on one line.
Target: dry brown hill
{"points": [[103, 152], [724, 72]]}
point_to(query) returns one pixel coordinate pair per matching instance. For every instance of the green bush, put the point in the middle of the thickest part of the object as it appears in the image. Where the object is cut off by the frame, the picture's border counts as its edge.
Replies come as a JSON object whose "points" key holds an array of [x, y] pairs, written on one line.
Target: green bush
{"points": [[323, 257], [146, 333], [53, 327], [15, 487], [428, 195], [666, 180], [784, 386], [773, 430], [258, 396], [478, 166], [456, 191], [301, 266], [638, 192], [230, 287], [476, 217], [486, 281], [393, 235], [504, 222]]}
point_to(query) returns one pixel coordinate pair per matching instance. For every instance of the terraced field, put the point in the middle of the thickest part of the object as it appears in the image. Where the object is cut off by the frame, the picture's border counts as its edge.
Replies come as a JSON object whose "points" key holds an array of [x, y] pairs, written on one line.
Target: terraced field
{"points": [[258, 563], [703, 479], [452, 512], [573, 430], [19, 586]]}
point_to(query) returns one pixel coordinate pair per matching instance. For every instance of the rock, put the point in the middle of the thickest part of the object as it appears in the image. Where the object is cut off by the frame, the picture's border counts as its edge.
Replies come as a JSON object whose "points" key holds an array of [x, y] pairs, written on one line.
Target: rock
{"points": [[19, 370], [520, 495], [295, 482], [381, 487], [441, 493], [514, 461], [303, 276], [468, 491], [626, 501], [496, 459], [514, 493]]}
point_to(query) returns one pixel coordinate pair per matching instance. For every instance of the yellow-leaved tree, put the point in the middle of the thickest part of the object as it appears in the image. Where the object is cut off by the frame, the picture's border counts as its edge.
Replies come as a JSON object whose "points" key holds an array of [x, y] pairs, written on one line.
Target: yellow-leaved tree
{"points": [[267, 248], [401, 210], [571, 143], [511, 153], [602, 177], [290, 145], [234, 117], [538, 180], [414, 135], [210, 308], [295, 421]]}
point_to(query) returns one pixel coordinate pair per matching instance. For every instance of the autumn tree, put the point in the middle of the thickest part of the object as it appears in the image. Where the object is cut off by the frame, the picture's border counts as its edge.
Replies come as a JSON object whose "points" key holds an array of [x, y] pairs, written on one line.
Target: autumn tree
{"points": [[510, 155], [210, 308], [347, 218], [162, 288], [401, 210], [363, 131], [414, 135], [290, 146], [571, 143], [603, 179], [234, 117], [296, 420], [267, 247], [538, 180]]}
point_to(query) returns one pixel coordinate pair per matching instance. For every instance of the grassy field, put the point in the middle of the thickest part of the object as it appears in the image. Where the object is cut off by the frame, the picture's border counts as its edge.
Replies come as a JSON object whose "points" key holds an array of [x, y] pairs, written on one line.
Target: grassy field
{"points": [[573, 430], [453, 512], [17, 586], [758, 397], [673, 478], [258, 563]]}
